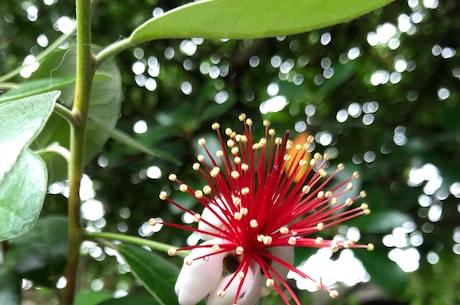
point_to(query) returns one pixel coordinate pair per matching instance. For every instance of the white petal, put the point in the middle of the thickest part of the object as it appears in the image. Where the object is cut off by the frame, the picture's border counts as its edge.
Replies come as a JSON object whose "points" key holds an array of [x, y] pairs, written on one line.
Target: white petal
{"points": [[250, 291], [209, 214], [197, 280]]}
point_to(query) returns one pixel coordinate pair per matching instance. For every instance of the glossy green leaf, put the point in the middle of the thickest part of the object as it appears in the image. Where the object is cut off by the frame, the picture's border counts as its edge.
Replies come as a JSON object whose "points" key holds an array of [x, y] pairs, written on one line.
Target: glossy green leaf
{"points": [[93, 297], [40, 255], [39, 86], [22, 193], [155, 273], [239, 19], [20, 122], [385, 273], [10, 287], [106, 96], [130, 300]]}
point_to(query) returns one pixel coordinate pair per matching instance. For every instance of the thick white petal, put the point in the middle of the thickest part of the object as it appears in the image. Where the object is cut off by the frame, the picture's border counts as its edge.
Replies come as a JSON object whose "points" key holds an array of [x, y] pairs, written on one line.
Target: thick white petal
{"points": [[210, 217], [249, 294], [197, 280]]}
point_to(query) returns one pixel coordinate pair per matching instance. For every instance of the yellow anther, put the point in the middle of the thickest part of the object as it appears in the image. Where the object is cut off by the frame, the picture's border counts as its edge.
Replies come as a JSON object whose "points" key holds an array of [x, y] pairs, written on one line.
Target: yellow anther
{"points": [[245, 190], [215, 172], [236, 201], [237, 216], [364, 206], [320, 226], [215, 248], [198, 194], [239, 250], [284, 230], [349, 186], [334, 247], [242, 117], [326, 156], [172, 251], [163, 195], [202, 142], [334, 294], [348, 202], [302, 162], [355, 175], [267, 240], [244, 167], [370, 247], [253, 223], [292, 240], [340, 166], [328, 194], [188, 261], [270, 282], [306, 189], [313, 162], [196, 166], [319, 240], [200, 158], [266, 123], [362, 194], [235, 150], [230, 143], [244, 211], [215, 126], [207, 189], [320, 195], [152, 221], [228, 131], [196, 217], [172, 177], [221, 293], [249, 122], [278, 141], [334, 200], [322, 172], [317, 156], [219, 154], [241, 275], [235, 175], [183, 187], [271, 132]]}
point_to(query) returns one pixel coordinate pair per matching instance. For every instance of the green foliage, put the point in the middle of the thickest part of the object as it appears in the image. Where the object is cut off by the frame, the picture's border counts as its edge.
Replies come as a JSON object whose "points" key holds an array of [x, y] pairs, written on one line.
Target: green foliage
{"points": [[178, 94]]}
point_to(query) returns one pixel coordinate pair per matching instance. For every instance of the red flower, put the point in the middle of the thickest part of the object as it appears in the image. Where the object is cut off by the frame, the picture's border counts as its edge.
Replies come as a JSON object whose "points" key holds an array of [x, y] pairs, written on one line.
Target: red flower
{"points": [[256, 210]]}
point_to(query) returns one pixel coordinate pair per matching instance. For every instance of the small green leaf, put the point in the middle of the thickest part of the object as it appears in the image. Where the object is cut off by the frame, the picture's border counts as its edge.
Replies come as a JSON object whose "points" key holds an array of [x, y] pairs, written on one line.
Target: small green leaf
{"points": [[10, 287], [20, 122], [22, 193], [40, 255], [155, 273], [239, 19], [384, 273], [105, 103]]}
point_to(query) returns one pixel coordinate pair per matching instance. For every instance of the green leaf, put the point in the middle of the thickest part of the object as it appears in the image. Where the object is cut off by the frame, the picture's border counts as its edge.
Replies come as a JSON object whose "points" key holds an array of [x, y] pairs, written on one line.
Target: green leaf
{"points": [[20, 122], [22, 193], [40, 255], [93, 298], [130, 300], [239, 19], [39, 86], [384, 273], [10, 287], [155, 273], [106, 96]]}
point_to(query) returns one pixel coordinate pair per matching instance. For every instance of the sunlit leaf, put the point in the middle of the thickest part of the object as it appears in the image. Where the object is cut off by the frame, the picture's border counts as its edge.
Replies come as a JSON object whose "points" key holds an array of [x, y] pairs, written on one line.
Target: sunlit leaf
{"points": [[40, 255], [155, 273], [251, 19], [20, 122], [22, 193], [93, 297]]}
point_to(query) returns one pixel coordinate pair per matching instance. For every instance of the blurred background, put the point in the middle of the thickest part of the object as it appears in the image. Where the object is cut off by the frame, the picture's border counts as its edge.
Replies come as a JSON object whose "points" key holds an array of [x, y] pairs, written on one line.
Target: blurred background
{"points": [[379, 94]]}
